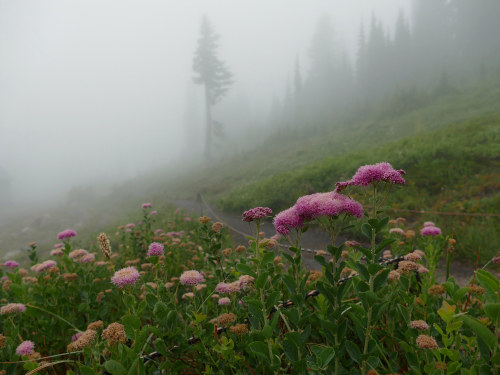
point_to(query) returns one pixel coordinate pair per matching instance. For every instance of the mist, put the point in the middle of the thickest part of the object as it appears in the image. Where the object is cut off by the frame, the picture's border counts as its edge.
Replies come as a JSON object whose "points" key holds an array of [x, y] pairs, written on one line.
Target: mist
{"points": [[94, 93]]}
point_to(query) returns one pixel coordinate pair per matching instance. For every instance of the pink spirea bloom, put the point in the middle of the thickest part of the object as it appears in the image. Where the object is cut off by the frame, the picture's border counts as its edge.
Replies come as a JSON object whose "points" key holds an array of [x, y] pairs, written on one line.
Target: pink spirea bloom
{"points": [[429, 224], [11, 264], [130, 225], [76, 336], [228, 287], [56, 252], [127, 275], [158, 231], [12, 308], [88, 258], [396, 230], [44, 266], [496, 260], [128, 230], [68, 233], [187, 218], [58, 245], [368, 174], [25, 348], [191, 277], [147, 205], [155, 249], [4, 278], [430, 231], [256, 214], [286, 220], [154, 212], [78, 253], [327, 204], [224, 301]]}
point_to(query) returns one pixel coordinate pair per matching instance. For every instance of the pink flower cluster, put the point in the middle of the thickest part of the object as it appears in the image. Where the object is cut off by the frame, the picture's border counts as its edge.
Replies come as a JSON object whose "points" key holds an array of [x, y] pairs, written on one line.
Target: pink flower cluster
{"points": [[12, 308], [430, 231], [11, 264], [155, 249], [44, 266], [68, 233], [368, 174], [256, 214], [191, 278], [56, 252], [25, 348], [127, 275], [147, 205], [58, 245], [314, 206]]}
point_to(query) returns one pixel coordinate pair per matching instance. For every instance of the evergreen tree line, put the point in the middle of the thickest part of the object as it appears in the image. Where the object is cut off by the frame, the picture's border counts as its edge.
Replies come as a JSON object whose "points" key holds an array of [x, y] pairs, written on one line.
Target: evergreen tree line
{"points": [[442, 45]]}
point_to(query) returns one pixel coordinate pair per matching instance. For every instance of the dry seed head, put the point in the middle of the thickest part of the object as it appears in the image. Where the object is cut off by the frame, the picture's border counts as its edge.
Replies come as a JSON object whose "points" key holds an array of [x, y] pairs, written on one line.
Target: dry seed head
{"points": [[3, 339], [95, 326], [426, 342], [239, 329], [226, 319], [393, 275], [227, 251], [114, 333], [204, 219], [104, 244], [476, 290], [419, 324], [407, 266], [83, 341], [69, 276], [436, 289], [240, 249]]}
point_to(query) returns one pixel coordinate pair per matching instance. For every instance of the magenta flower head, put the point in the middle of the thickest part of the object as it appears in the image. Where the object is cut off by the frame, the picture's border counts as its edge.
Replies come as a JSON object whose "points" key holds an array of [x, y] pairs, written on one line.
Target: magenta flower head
{"points": [[154, 212], [430, 231], [68, 233], [127, 275], [25, 348], [130, 226], [147, 205], [429, 224], [327, 204], [256, 214], [11, 264], [58, 245], [40, 267], [368, 174], [224, 301], [496, 260], [191, 278], [286, 220], [155, 249], [76, 336], [56, 252]]}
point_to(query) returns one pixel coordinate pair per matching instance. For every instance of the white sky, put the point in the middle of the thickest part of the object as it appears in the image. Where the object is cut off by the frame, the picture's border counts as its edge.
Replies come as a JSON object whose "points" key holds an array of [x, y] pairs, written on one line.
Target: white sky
{"points": [[96, 89]]}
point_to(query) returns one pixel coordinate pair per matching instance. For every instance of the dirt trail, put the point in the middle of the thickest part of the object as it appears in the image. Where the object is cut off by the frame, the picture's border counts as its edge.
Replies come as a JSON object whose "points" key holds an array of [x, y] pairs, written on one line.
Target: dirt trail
{"points": [[314, 238]]}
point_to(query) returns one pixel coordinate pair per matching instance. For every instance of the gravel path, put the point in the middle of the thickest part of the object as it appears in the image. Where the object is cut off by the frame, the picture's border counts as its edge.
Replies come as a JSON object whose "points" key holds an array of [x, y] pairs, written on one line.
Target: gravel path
{"points": [[314, 238]]}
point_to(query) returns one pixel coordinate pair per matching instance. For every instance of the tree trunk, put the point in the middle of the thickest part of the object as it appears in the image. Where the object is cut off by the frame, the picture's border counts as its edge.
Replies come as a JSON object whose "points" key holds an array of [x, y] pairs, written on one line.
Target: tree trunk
{"points": [[208, 134]]}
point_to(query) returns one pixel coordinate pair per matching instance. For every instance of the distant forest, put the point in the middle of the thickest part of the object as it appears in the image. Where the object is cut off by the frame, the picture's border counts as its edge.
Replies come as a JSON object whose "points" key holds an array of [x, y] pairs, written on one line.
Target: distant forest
{"points": [[441, 46]]}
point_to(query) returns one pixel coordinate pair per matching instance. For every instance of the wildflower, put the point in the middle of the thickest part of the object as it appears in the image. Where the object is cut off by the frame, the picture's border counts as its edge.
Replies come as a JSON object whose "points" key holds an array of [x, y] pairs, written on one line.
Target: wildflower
{"points": [[496, 260], [11, 264], [69, 276], [426, 342], [76, 336], [430, 231], [344, 254], [436, 290], [422, 269], [43, 266], [29, 279], [155, 249], [256, 213], [224, 301], [200, 287], [215, 296], [154, 212], [58, 245], [132, 262], [393, 275], [56, 252], [413, 256], [409, 234], [419, 252], [352, 243], [6, 284], [244, 281], [88, 258], [226, 319], [22, 272], [204, 219], [346, 271], [368, 174], [95, 326], [127, 275], [227, 287], [429, 224], [191, 278], [227, 252], [104, 244], [147, 205], [68, 233], [476, 290], [387, 254], [396, 230], [3, 340], [189, 295], [100, 263], [25, 348], [239, 329], [169, 285], [327, 204], [319, 252], [114, 333], [78, 253], [216, 227], [315, 275], [407, 266], [419, 324], [452, 241], [286, 220]]}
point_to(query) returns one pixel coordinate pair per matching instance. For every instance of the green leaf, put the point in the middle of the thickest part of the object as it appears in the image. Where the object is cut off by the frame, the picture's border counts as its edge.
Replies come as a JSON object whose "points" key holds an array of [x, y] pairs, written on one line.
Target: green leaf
{"points": [[85, 370], [291, 350], [261, 280], [490, 283], [131, 323], [267, 258], [363, 271], [366, 229], [259, 348], [482, 332], [460, 293], [493, 312], [380, 279], [114, 367], [161, 311], [353, 351], [267, 331], [381, 224], [245, 269], [290, 283]]}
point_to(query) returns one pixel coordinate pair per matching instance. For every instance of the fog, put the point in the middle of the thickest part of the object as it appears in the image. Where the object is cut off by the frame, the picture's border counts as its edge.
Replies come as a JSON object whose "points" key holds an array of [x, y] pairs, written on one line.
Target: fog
{"points": [[98, 92]]}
